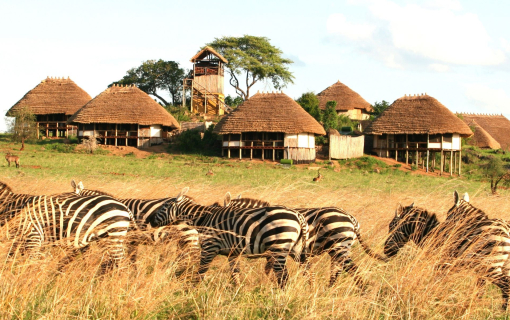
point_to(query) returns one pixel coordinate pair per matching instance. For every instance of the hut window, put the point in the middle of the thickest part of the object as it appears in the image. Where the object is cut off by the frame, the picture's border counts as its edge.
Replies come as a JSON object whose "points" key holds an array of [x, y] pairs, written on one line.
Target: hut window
{"points": [[89, 126], [235, 137], [448, 137], [435, 138]]}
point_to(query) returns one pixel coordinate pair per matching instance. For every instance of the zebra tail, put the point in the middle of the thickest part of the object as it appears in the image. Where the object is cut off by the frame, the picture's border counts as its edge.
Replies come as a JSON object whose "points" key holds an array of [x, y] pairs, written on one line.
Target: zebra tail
{"points": [[368, 250]]}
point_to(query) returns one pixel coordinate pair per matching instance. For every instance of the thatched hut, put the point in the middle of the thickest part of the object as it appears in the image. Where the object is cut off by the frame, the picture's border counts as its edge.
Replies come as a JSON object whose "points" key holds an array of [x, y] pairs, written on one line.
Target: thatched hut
{"points": [[124, 116], [53, 101], [349, 102], [495, 127], [416, 126], [270, 125]]}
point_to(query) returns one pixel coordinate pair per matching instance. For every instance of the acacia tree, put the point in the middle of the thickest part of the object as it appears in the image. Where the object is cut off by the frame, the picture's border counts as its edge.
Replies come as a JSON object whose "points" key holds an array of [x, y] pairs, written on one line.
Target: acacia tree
{"points": [[23, 126], [252, 59], [496, 172], [155, 75]]}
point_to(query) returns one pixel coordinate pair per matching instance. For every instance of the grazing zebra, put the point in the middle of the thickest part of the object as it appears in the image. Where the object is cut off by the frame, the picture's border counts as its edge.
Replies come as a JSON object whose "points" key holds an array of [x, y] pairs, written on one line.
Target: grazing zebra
{"points": [[270, 232], [482, 245], [73, 221], [143, 210], [332, 230]]}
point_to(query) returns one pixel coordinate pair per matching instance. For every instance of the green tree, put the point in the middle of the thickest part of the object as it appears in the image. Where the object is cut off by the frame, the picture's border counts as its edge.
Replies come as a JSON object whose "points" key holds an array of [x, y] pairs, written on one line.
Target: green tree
{"points": [[154, 76], [23, 126], [252, 59], [379, 108], [310, 103], [496, 172], [233, 102], [330, 117]]}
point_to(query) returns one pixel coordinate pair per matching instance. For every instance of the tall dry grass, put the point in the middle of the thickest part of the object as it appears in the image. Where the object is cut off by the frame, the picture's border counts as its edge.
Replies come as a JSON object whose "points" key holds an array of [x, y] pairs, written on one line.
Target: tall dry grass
{"points": [[408, 287]]}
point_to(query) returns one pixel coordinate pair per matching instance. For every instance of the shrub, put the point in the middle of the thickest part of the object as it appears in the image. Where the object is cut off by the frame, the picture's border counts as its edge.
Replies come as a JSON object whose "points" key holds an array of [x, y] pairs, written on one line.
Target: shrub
{"points": [[191, 141], [89, 144], [62, 148]]}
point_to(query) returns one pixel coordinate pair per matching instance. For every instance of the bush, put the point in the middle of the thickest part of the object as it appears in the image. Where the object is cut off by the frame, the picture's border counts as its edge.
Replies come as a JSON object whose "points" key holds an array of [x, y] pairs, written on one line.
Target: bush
{"points": [[62, 148], [320, 140], [191, 141], [89, 144]]}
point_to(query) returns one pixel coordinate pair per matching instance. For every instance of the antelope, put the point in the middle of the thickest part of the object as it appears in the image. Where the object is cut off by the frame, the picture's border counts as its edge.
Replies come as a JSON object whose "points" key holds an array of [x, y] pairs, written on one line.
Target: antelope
{"points": [[13, 158], [319, 177]]}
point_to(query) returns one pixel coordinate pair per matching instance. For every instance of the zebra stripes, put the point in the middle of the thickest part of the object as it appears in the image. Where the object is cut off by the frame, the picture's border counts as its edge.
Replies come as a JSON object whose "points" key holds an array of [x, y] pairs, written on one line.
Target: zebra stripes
{"points": [[270, 232], [72, 221], [480, 244], [332, 230]]}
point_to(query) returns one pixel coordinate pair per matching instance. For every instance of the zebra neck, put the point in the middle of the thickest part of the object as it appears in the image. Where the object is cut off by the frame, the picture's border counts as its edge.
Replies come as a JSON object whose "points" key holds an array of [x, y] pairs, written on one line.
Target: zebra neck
{"points": [[430, 226]]}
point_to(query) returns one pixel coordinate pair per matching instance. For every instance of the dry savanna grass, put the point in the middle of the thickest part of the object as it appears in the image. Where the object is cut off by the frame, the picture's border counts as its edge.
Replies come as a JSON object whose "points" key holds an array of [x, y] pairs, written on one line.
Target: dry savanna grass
{"points": [[410, 286]]}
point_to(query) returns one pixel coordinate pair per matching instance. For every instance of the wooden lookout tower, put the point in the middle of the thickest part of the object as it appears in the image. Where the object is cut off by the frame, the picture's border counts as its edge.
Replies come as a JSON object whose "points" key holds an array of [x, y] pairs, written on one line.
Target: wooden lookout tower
{"points": [[205, 83]]}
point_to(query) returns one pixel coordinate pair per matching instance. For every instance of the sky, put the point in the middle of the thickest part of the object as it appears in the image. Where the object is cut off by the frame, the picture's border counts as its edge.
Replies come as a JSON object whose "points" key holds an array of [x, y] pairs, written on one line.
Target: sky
{"points": [[456, 51]]}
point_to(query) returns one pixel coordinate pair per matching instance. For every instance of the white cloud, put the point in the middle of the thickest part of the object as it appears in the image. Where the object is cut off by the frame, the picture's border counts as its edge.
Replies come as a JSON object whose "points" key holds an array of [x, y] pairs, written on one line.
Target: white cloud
{"points": [[435, 32], [493, 100], [505, 44], [338, 24], [437, 67]]}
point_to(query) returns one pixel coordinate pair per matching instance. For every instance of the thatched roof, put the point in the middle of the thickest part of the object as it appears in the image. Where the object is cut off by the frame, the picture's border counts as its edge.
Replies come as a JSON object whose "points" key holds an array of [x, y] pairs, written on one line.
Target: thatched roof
{"points": [[498, 126], [419, 114], [269, 112], [124, 104], [206, 51], [52, 96], [482, 138], [333, 132], [345, 98]]}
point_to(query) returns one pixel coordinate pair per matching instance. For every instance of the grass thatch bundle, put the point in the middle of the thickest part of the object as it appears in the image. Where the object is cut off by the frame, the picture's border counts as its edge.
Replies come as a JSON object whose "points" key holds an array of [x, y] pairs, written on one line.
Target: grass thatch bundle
{"points": [[205, 52], [269, 112], [52, 96], [346, 99], [126, 105], [421, 114]]}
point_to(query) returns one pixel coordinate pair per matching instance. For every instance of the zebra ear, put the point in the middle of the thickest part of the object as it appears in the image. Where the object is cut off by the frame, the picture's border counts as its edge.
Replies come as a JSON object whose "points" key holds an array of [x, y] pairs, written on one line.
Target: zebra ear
{"points": [[456, 198], [239, 196], [73, 184], [412, 205], [227, 199], [182, 194], [398, 211], [466, 197]]}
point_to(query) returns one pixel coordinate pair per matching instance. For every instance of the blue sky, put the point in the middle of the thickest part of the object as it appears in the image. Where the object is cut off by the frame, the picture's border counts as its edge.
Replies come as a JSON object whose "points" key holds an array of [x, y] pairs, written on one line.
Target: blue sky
{"points": [[457, 52]]}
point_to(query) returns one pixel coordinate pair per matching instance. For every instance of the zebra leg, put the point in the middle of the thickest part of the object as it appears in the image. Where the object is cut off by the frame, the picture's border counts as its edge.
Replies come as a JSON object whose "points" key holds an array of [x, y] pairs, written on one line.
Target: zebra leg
{"points": [[304, 260], [233, 261], [70, 256], [280, 268], [269, 265], [209, 251], [503, 282], [33, 244], [340, 261]]}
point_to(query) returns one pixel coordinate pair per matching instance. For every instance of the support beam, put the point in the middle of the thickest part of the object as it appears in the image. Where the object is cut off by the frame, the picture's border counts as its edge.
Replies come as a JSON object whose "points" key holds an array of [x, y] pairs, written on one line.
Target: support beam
{"points": [[240, 145], [274, 145], [229, 146], [451, 162], [460, 161], [428, 152], [442, 157], [115, 134], [407, 149], [263, 148], [251, 151]]}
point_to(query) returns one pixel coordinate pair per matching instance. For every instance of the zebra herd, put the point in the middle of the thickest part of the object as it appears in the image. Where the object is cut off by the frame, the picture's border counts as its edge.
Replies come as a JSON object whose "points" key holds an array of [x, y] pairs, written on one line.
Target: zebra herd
{"points": [[249, 228]]}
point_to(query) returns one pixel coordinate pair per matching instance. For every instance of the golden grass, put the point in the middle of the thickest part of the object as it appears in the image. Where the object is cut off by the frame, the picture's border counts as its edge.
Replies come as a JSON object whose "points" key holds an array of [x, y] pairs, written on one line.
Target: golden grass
{"points": [[408, 287]]}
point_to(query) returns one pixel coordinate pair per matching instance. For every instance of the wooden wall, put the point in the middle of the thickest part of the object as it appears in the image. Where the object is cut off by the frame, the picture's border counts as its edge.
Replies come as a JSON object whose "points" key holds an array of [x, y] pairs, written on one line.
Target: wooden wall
{"points": [[345, 147], [213, 83]]}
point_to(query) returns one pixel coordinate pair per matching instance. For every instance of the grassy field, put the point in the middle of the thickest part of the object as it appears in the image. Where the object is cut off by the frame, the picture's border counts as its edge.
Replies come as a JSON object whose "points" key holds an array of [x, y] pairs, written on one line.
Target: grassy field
{"points": [[407, 287]]}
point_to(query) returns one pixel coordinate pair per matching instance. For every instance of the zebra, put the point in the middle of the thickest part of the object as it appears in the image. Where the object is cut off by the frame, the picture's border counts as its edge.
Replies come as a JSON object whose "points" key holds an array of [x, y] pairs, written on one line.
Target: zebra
{"points": [[143, 210], [332, 231], [482, 245], [73, 221], [270, 232]]}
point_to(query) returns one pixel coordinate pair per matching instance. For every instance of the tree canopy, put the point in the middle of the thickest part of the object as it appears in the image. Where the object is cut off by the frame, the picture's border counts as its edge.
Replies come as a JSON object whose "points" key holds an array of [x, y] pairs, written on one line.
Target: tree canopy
{"points": [[252, 59], [310, 103], [379, 108], [154, 76]]}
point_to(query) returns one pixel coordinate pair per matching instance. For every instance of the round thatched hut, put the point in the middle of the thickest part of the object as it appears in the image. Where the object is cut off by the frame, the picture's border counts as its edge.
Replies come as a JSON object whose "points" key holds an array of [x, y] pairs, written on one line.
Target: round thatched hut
{"points": [[270, 125], [497, 126], [124, 116], [415, 126], [348, 102], [53, 101]]}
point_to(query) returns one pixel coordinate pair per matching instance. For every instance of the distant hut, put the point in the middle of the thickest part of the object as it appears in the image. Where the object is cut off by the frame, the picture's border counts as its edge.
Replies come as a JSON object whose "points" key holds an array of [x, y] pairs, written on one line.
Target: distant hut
{"points": [[205, 83], [416, 126], [53, 101], [349, 103], [270, 126], [124, 116], [495, 126]]}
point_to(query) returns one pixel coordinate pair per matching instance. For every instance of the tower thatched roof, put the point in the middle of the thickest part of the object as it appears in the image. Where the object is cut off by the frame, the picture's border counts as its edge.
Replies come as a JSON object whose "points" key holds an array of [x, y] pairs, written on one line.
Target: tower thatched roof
{"points": [[124, 104], [482, 138], [345, 97], [205, 51], [419, 114], [497, 126], [53, 96], [269, 112]]}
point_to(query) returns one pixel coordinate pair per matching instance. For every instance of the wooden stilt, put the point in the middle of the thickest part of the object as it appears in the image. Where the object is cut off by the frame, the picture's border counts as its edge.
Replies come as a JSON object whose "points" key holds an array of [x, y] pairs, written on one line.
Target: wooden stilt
{"points": [[387, 145], [451, 162], [407, 150], [460, 161], [442, 157], [263, 151], [428, 152], [274, 145], [240, 145], [229, 146], [251, 151]]}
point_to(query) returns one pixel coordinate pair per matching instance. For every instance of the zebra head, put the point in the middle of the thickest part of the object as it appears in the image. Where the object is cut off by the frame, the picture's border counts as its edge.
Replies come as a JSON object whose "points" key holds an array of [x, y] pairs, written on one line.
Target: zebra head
{"points": [[409, 224], [174, 210], [462, 209]]}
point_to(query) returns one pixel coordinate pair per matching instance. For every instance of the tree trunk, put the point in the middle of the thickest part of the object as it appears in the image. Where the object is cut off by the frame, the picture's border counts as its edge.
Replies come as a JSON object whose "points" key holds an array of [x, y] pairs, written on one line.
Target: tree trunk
{"points": [[157, 96], [22, 144]]}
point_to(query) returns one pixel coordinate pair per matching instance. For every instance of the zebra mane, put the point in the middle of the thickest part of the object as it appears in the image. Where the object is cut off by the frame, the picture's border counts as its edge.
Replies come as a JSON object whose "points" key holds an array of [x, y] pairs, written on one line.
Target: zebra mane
{"points": [[5, 188], [89, 192], [253, 202]]}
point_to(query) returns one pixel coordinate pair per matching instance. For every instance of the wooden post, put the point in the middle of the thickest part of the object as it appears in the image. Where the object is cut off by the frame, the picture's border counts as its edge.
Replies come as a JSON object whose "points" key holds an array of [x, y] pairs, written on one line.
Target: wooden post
{"points": [[451, 161], [47, 124], [37, 130], [240, 145], [428, 152], [263, 147], [387, 145], [105, 134], [115, 134], [251, 151], [222, 145], [274, 145], [396, 151], [407, 149], [417, 163], [442, 157], [229, 146], [460, 160]]}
